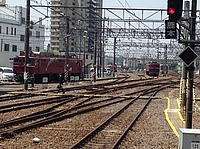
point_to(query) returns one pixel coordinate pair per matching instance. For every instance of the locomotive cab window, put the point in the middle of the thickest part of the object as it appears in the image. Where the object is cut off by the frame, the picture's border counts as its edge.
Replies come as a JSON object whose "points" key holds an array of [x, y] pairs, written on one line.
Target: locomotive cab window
{"points": [[31, 61], [18, 60]]}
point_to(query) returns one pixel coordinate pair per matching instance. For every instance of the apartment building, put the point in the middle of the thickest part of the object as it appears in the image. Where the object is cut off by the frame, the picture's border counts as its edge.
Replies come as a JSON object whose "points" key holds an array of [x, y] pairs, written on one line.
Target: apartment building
{"points": [[74, 27], [12, 33]]}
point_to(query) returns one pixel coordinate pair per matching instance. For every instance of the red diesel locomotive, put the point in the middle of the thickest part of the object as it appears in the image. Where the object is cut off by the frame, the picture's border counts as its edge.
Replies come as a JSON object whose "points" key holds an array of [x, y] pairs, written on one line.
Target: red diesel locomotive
{"points": [[48, 67], [152, 68]]}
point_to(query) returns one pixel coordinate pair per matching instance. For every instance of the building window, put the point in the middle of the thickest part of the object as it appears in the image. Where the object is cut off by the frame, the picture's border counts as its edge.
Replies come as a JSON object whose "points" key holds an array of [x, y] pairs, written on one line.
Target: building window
{"points": [[6, 30], [21, 37], [37, 49], [86, 56], [37, 34], [15, 31], [6, 47], [30, 33], [23, 20], [0, 29], [12, 31], [14, 48]]}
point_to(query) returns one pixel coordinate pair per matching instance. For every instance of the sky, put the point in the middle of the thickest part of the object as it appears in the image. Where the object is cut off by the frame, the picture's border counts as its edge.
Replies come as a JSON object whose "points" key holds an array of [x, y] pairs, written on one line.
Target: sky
{"points": [[109, 3], [139, 4], [34, 14], [158, 4], [135, 4]]}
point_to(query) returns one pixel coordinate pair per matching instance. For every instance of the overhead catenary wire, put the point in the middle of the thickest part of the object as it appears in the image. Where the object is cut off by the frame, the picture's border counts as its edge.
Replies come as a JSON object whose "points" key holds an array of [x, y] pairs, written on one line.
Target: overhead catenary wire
{"points": [[132, 14]]}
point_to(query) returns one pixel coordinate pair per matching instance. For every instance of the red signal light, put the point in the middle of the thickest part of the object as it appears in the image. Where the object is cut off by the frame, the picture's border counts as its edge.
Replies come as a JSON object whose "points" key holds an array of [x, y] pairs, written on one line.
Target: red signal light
{"points": [[174, 9], [171, 11]]}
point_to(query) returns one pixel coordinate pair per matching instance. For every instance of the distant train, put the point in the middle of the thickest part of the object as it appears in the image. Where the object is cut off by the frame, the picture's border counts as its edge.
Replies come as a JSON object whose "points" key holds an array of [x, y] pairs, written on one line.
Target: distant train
{"points": [[51, 68], [110, 66], [152, 68]]}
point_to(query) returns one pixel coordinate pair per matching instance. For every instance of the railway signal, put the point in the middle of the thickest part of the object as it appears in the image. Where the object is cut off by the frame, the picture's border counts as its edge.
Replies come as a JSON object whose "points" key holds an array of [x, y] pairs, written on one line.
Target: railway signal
{"points": [[174, 9], [188, 56]]}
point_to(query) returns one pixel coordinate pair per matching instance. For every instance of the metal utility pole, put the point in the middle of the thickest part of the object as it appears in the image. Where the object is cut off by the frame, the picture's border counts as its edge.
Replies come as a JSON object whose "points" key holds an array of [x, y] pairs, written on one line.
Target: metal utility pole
{"points": [[95, 56], [114, 53], [158, 56], [184, 72], [184, 87], [26, 45], [67, 51], [103, 46], [191, 68], [101, 67], [84, 50], [165, 62]]}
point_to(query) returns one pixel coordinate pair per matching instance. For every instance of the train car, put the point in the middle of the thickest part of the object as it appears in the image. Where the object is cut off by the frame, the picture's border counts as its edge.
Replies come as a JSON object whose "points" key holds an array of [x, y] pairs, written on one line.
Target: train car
{"points": [[110, 66], [152, 68], [40, 67]]}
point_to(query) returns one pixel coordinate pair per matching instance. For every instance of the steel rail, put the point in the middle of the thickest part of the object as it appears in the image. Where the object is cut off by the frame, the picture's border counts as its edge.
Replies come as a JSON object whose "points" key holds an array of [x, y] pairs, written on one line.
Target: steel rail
{"points": [[123, 135], [30, 104], [55, 116], [91, 134]]}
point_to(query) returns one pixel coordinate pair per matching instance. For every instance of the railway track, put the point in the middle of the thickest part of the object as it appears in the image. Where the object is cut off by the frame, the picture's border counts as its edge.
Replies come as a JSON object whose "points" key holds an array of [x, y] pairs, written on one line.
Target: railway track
{"points": [[52, 114], [21, 94], [18, 105], [97, 89], [113, 130], [15, 97], [33, 103]]}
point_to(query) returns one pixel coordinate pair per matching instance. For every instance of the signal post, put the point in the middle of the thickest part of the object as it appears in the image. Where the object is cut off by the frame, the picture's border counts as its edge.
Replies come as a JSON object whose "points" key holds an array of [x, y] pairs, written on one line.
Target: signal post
{"points": [[174, 11]]}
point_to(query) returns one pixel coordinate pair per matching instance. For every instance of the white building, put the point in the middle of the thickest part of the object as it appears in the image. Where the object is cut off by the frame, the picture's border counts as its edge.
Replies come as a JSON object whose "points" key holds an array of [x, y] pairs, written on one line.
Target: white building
{"points": [[12, 33]]}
